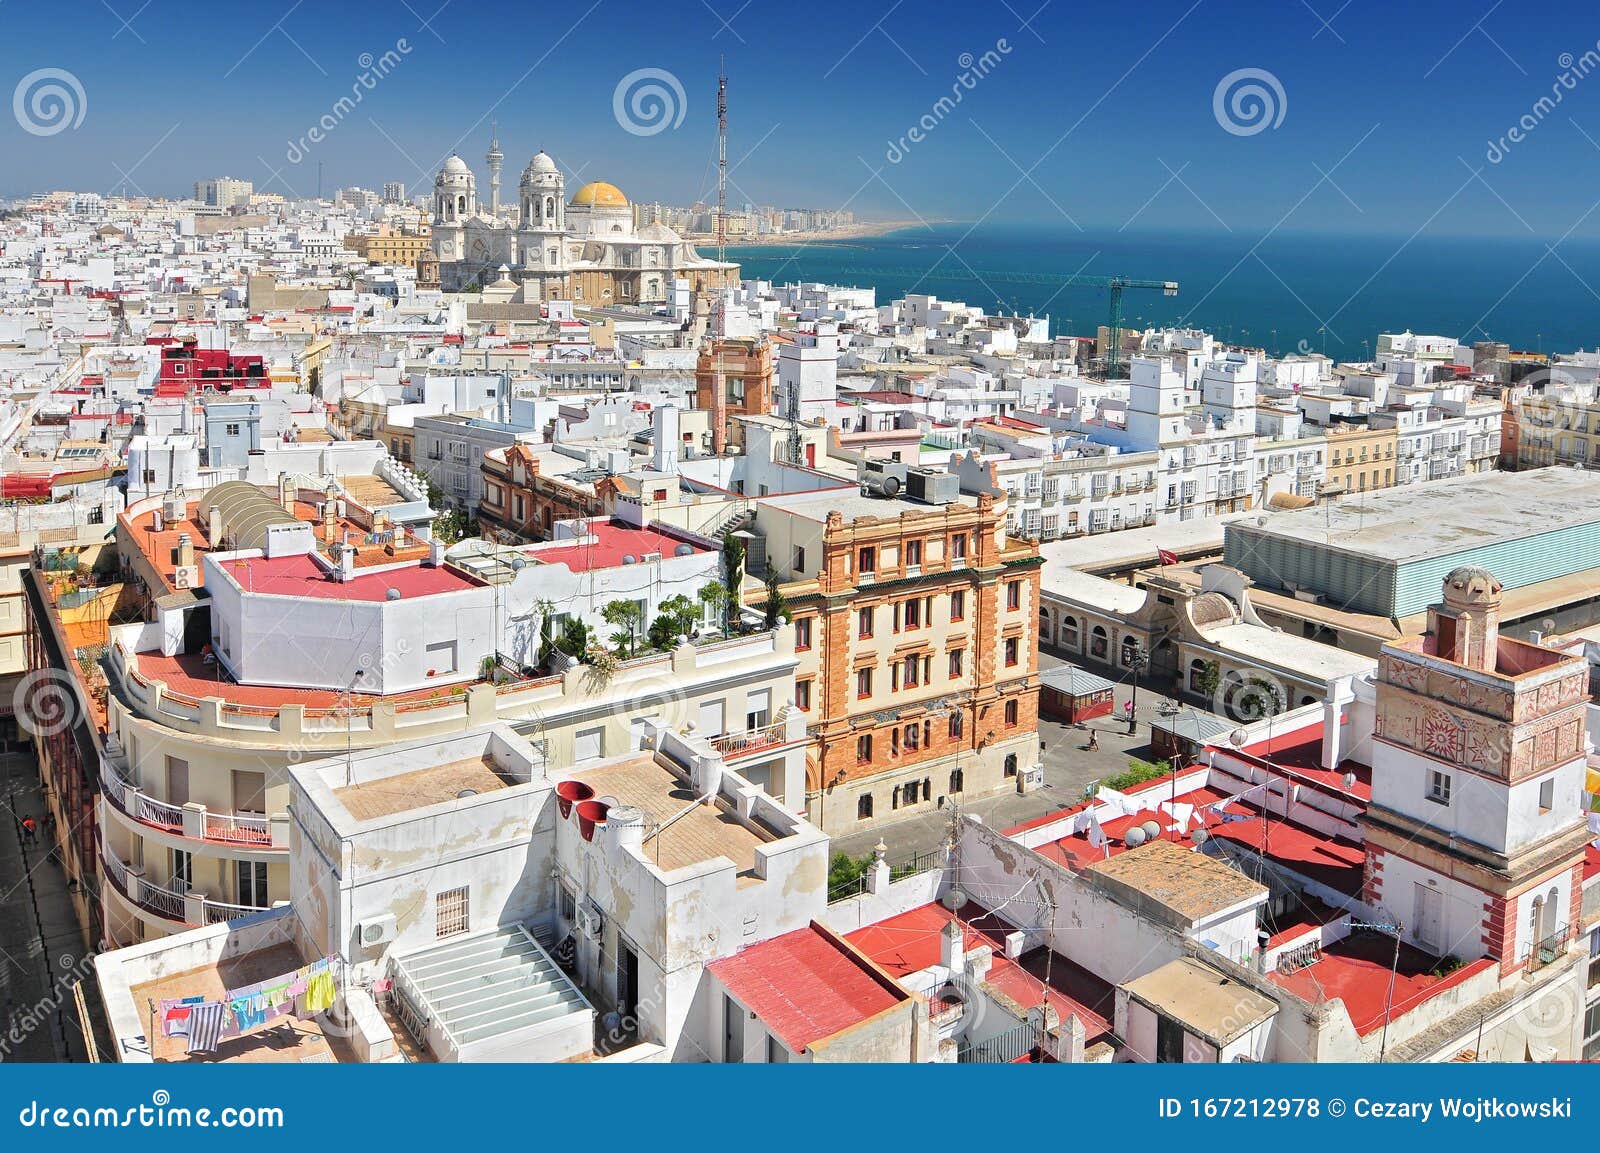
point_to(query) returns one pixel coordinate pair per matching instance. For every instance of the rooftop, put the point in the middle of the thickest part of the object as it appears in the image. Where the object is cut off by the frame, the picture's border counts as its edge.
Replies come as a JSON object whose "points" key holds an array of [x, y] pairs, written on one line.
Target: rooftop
{"points": [[296, 1039], [419, 788], [704, 833], [612, 544], [1187, 886], [808, 985], [1436, 518], [1204, 999], [848, 501], [301, 576]]}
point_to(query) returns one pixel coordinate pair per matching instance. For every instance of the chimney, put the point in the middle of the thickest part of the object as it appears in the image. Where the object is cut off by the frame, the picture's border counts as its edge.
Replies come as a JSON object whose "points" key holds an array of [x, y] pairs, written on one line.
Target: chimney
{"points": [[286, 492], [953, 948], [185, 551], [1466, 627], [214, 527]]}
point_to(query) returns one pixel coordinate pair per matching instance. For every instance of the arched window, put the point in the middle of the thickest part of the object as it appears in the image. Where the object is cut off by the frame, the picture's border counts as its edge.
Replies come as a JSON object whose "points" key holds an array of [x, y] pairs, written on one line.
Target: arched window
{"points": [[1308, 699], [1069, 633], [1099, 643], [550, 207], [957, 781], [1197, 675], [461, 204], [1130, 649], [864, 807], [956, 724], [1011, 764], [1046, 625]]}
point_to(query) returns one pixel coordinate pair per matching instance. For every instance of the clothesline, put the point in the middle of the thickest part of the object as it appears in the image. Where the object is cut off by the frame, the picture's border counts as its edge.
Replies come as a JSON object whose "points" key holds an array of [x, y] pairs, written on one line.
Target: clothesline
{"points": [[304, 992]]}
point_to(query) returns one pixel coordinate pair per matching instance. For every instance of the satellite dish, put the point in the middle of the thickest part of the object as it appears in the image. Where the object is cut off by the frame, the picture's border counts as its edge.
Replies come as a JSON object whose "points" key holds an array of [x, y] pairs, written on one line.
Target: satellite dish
{"points": [[1200, 836], [955, 900], [1151, 830], [1349, 780], [1237, 738], [1134, 837]]}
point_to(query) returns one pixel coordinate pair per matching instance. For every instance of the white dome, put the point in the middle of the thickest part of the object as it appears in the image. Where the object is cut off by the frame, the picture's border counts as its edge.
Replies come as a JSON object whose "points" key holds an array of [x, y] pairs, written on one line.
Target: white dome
{"points": [[455, 166], [541, 162]]}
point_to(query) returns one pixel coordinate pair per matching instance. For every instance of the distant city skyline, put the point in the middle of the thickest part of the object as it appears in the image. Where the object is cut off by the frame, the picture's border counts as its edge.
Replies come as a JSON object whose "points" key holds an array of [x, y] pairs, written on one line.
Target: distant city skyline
{"points": [[1443, 118]]}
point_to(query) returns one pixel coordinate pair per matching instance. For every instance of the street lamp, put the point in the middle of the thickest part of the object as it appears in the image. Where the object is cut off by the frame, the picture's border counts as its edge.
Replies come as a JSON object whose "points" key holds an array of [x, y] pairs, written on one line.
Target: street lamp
{"points": [[1138, 661]]}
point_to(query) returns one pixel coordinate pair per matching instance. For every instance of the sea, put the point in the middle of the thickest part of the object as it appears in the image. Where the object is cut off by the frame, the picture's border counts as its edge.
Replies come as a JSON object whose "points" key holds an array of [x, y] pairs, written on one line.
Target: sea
{"points": [[1286, 292]]}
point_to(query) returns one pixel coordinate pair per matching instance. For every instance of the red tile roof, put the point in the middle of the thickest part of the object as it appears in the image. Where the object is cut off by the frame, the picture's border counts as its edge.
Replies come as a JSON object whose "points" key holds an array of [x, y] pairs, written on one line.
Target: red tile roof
{"points": [[807, 985]]}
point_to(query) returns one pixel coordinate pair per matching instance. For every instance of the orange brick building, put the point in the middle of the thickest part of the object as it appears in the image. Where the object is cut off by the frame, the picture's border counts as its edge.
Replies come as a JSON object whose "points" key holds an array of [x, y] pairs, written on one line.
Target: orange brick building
{"points": [[518, 502], [746, 368], [917, 635]]}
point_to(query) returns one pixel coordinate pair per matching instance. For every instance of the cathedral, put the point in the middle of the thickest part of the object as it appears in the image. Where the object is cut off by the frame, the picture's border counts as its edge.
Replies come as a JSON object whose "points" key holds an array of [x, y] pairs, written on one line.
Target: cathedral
{"points": [[587, 249]]}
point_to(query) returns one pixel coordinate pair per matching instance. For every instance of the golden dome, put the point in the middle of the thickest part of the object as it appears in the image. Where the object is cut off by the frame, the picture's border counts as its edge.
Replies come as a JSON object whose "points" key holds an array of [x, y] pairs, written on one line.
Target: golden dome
{"points": [[599, 194]]}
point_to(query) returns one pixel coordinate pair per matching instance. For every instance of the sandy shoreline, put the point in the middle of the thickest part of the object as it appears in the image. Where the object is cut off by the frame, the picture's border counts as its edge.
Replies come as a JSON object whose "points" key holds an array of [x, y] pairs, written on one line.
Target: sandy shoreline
{"points": [[863, 231]]}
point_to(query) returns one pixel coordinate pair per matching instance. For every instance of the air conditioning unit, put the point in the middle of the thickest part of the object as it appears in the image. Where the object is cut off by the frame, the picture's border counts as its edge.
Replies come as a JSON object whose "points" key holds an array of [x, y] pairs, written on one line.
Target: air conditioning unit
{"points": [[588, 922], [378, 931], [883, 478]]}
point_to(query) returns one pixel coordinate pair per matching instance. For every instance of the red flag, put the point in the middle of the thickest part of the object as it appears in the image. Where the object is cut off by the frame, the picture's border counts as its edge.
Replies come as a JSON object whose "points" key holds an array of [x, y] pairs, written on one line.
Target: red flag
{"points": [[1166, 556]]}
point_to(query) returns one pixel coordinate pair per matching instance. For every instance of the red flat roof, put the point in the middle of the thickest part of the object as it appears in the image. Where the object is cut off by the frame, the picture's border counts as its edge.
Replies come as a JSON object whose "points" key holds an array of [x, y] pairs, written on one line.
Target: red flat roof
{"points": [[807, 985], [1356, 971], [910, 942], [300, 576], [612, 543]]}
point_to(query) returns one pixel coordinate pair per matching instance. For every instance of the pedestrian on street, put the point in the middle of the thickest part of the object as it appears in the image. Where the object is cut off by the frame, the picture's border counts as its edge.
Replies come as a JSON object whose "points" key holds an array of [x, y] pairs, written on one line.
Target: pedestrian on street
{"points": [[28, 827], [1094, 739]]}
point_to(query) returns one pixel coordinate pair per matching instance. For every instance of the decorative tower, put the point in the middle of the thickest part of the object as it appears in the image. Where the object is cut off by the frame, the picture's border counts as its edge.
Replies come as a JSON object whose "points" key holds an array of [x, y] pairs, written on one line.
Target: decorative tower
{"points": [[495, 159], [542, 231], [1475, 833], [455, 201]]}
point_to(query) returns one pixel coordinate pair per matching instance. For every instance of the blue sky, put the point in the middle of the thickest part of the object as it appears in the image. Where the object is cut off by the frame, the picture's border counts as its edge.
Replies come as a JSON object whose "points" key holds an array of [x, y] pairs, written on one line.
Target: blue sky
{"points": [[1099, 116]]}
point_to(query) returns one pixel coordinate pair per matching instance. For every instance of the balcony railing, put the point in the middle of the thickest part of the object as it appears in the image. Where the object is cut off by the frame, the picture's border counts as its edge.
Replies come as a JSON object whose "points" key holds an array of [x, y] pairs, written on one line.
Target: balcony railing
{"points": [[1549, 949], [170, 903], [751, 741], [1004, 1049], [246, 829]]}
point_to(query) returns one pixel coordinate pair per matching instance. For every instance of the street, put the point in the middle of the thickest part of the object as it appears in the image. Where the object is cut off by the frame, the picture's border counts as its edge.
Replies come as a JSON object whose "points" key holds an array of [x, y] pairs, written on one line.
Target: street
{"points": [[1069, 766]]}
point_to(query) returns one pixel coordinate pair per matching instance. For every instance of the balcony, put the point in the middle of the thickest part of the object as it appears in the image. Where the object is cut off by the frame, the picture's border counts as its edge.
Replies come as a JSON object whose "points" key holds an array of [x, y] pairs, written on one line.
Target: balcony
{"points": [[1548, 949], [750, 742], [194, 821], [172, 905]]}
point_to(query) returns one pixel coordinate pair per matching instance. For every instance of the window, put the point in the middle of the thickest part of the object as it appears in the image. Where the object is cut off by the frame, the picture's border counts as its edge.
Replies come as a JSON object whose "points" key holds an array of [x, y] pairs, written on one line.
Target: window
{"points": [[868, 561], [864, 757], [913, 552], [232, 430], [802, 695], [182, 871], [1011, 761], [957, 723], [802, 632], [1547, 794], [913, 740], [1011, 650], [912, 676], [957, 657], [252, 884], [1439, 786], [864, 622], [956, 780], [863, 682], [864, 801], [958, 605], [1099, 643], [758, 709], [450, 913], [1069, 632], [1013, 594], [1011, 713], [958, 546], [911, 614]]}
